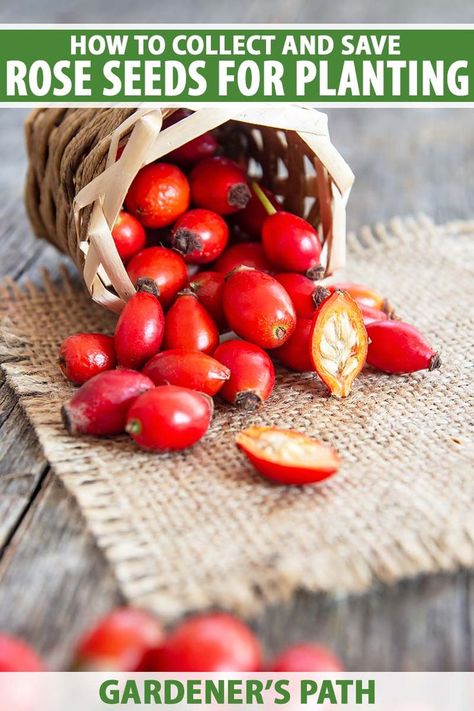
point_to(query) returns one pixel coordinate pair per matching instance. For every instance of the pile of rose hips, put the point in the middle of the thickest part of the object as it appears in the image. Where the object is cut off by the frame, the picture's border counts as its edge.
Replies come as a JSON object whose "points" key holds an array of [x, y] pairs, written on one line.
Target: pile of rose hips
{"points": [[131, 640], [198, 276]]}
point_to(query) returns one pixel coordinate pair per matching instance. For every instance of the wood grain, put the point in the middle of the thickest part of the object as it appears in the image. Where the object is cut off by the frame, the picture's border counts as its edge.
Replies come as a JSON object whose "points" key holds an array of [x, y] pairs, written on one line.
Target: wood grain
{"points": [[53, 579]]}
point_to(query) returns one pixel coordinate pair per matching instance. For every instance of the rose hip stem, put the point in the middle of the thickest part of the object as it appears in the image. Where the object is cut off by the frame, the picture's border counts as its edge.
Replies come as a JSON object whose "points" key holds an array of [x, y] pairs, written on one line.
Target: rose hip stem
{"points": [[270, 209]]}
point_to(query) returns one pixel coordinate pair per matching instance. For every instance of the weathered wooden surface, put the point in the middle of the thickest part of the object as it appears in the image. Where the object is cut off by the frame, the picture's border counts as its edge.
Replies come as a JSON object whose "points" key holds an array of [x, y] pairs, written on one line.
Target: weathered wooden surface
{"points": [[53, 579]]}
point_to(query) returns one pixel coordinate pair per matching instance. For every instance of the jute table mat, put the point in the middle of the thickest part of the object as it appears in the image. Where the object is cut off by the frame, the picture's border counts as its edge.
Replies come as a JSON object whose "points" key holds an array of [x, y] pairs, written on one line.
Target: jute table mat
{"points": [[200, 528]]}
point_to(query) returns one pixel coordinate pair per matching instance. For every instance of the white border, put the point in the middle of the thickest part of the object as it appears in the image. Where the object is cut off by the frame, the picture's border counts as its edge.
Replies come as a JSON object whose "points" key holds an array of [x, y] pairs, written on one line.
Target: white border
{"points": [[248, 27]]}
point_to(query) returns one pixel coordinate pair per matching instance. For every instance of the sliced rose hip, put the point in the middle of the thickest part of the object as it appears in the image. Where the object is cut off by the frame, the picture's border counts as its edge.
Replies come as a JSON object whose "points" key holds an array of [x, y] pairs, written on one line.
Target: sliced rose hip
{"points": [[200, 236], [84, 355], [302, 291], [286, 456], [397, 347], [188, 325], [129, 235], [258, 308], [100, 406], [296, 352], [252, 217], [190, 369], [252, 373], [165, 267], [364, 295], [17, 656], [140, 327], [118, 641], [169, 418], [219, 184], [338, 342], [212, 642], [246, 254], [158, 195], [209, 288], [306, 657]]}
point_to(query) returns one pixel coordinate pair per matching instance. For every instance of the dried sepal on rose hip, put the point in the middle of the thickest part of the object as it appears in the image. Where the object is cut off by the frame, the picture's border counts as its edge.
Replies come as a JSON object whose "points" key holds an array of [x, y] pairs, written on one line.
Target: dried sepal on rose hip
{"points": [[286, 456], [169, 417], [118, 641], [166, 267], [84, 355], [219, 184], [258, 308], [338, 342], [100, 406], [210, 642], [140, 327], [189, 369], [252, 374], [396, 347], [188, 325], [200, 236]]}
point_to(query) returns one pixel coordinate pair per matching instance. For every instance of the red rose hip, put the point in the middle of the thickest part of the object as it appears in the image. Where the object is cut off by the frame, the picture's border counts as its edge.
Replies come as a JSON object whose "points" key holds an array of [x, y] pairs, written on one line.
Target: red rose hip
{"points": [[254, 214], [214, 642], [169, 418], [100, 406], [190, 369], [166, 268], [209, 288], [246, 254], [219, 184], [295, 353], [140, 327], [291, 243], [188, 325], [193, 151], [84, 355], [118, 641], [303, 293], [252, 375], [129, 235], [17, 656], [258, 308], [306, 657], [158, 195], [200, 236], [396, 347]]}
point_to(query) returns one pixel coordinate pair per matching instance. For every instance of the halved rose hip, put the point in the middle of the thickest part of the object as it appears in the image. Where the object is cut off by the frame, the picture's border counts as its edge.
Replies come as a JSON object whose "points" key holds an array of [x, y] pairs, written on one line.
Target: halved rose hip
{"points": [[338, 342], [287, 456]]}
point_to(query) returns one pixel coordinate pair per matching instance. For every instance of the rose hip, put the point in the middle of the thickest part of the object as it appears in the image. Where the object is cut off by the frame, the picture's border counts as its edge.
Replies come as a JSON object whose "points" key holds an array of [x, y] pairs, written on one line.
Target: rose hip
{"points": [[129, 235], [165, 267], [364, 295], [16, 656], [200, 236], [140, 327], [338, 342], [302, 291], [188, 325], [397, 347], [191, 152], [100, 406], [158, 195], [251, 218], [247, 254], [209, 288], [189, 369], [258, 308], [213, 642], [286, 456], [84, 355], [118, 641], [219, 184], [371, 314], [306, 657], [169, 418], [295, 353], [252, 373]]}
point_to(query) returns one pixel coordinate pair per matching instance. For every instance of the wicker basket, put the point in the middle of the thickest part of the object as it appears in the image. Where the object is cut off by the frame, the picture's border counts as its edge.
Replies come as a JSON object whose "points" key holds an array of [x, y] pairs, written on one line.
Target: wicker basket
{"points": [[76, 187]]}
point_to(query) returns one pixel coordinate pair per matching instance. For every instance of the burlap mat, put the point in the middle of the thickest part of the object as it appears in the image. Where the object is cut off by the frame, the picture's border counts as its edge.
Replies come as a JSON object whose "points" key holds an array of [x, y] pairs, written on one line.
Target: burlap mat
{"points": [[200, 528]]}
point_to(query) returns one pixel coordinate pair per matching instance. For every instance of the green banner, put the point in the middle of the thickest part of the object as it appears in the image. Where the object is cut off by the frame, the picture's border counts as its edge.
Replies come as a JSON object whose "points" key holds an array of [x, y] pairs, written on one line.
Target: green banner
{"points": [[165, 65]]}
